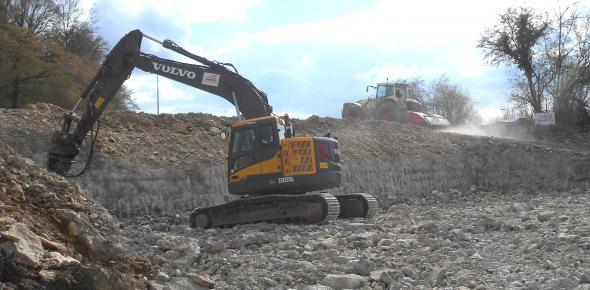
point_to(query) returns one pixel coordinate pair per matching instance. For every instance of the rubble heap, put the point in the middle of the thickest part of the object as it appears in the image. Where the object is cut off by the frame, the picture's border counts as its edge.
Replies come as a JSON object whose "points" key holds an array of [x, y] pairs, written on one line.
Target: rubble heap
{"points": [[447, 240], [53, 236]]}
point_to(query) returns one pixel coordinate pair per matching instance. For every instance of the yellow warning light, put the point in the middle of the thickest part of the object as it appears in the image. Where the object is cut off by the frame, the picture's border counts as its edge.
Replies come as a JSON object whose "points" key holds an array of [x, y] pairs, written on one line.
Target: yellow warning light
{"points": [[99, 102]]}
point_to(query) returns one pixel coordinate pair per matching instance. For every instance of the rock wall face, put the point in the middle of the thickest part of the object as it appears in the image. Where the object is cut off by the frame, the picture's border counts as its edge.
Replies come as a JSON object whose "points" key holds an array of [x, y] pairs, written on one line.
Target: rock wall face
{"points": [[488, 170], [127, 189]]}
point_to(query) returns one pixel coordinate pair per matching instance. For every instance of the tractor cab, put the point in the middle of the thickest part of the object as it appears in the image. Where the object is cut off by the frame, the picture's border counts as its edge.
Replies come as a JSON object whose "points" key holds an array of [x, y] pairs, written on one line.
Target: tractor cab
{"points": [[399, 90]]}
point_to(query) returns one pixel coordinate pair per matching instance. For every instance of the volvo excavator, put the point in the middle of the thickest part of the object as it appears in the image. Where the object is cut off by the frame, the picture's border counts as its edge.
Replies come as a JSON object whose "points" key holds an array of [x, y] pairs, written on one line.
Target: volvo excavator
{"points": [[278, 175]]}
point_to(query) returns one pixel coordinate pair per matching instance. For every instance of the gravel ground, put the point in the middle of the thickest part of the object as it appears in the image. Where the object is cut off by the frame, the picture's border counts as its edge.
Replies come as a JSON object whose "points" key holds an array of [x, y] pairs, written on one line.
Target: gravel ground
{"points": [[453, 240]]}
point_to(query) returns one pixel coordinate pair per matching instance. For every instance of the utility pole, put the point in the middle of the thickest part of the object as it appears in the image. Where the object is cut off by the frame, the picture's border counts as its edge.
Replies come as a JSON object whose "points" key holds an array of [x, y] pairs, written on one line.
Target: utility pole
{"points": [[506, 110], [157, 95]]}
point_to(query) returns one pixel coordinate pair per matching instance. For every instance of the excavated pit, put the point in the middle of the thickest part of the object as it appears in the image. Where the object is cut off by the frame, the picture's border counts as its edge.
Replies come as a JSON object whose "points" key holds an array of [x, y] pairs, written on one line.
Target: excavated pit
{"points": [[128, 190], [392, 161], [458, 210]]}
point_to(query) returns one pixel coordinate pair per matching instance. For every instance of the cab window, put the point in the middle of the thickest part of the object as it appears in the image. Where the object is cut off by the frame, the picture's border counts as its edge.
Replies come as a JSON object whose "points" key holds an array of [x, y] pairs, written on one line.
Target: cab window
{"points": [[381, 91], [267, 135], [244, 140], [401, 92], [281, 130]]}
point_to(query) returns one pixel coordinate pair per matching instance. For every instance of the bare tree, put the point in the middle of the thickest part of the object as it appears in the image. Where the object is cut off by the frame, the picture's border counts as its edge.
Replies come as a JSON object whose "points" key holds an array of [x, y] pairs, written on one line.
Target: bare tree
{"points": [[513, 41], [67, 21], [568, 52], [4, 4], [418, 88], [33, 15], [451, 101]]}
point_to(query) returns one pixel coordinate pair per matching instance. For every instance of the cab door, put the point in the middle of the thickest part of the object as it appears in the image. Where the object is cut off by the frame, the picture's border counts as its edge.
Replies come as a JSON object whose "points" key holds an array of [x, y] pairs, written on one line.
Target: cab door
{"points": [[268, 144], [253, 150], [242, 150]]}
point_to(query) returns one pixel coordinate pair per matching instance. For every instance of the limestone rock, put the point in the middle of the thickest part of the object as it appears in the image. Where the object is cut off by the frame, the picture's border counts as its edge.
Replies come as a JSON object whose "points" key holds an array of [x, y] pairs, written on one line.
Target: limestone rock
{"points": [[57, 259], [177, 243], [348, 281], [436, 276], [23, 243], [51, 245], [363, 267], [203, 281]]}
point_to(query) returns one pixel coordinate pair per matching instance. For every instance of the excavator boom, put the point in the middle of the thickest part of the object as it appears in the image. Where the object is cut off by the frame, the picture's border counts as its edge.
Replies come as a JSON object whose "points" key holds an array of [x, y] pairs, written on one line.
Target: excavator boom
{"points": [[209, 76]]}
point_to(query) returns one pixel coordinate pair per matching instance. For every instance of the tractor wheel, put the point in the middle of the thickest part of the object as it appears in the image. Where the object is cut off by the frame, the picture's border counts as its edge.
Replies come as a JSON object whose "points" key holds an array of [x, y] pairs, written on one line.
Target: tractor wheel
{"points": [[389, 111]]}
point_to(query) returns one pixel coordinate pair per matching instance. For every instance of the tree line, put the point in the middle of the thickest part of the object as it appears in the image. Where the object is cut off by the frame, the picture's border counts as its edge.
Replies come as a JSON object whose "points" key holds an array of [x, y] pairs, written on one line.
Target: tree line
{"points": [[49, 53], [445, 98], [549, 53]]}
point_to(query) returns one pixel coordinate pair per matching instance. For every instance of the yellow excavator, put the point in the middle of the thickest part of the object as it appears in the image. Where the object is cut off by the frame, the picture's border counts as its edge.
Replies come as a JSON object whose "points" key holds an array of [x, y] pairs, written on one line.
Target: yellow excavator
{"points": [[280, 176]]}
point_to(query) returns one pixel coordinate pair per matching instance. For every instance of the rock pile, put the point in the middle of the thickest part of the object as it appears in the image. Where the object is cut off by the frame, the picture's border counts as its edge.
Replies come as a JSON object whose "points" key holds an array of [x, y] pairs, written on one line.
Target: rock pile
{"points": [[53, 236]]}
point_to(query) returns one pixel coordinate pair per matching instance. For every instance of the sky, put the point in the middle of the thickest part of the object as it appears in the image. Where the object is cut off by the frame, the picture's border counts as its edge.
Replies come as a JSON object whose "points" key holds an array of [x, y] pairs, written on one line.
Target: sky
{"points": [[310, 56]]}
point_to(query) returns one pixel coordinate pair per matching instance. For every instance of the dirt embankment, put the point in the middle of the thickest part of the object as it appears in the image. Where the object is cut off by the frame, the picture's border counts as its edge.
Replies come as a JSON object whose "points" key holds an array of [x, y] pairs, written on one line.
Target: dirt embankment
{"points": [[175, 139]]}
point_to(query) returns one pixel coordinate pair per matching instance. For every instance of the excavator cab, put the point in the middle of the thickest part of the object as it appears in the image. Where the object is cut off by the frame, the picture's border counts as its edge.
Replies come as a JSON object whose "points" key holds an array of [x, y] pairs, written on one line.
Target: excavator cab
{"points": [[265, 157]]}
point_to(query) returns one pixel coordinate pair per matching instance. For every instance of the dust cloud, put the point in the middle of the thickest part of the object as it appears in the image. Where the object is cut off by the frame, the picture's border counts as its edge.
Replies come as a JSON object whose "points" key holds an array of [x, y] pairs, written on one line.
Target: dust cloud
{"points": [[499, 130]]}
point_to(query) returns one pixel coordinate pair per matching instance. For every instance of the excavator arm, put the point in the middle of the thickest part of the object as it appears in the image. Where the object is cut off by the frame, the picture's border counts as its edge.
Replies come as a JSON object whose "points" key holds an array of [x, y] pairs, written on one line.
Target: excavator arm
{"points": [[213, 77]]}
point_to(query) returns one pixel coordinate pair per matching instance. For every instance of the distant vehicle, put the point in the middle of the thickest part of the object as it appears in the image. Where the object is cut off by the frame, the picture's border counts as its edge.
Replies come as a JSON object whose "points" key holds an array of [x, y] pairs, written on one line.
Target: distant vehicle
{"points": [[392, 102]]}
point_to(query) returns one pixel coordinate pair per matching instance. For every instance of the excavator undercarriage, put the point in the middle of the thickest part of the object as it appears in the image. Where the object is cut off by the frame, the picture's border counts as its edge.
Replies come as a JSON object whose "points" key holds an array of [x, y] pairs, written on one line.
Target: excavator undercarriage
{"points": [[304, 208]]}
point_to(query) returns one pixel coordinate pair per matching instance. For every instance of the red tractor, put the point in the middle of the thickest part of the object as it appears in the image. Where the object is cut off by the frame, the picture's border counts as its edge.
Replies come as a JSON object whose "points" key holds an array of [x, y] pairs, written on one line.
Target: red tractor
{"points": [[392, 102]]}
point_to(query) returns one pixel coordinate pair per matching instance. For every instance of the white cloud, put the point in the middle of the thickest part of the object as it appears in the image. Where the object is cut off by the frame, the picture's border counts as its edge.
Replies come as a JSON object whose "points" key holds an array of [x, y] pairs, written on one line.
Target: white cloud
{"points": [[143, 97], [306, 61], [86, 6], [468, 61], [395, 72], [179, 15], [190, 11], [389, 24], [145, 89], [167, 109], [169, 91]]}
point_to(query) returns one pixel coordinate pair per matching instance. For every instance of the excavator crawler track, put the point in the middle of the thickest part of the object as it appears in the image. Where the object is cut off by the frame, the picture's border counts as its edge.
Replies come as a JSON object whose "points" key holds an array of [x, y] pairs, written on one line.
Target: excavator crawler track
{"points": [[355, 205], [307, 208]]}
